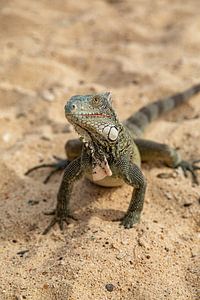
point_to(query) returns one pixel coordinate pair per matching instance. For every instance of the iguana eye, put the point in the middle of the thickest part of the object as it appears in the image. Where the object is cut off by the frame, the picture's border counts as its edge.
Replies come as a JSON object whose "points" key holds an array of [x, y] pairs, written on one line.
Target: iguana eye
{"points": [[96, 101]]}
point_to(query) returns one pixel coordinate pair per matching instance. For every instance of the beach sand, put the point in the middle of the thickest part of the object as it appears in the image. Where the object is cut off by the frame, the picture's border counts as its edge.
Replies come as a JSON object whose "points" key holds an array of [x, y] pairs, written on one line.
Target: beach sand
{"points": [[140, 51]]}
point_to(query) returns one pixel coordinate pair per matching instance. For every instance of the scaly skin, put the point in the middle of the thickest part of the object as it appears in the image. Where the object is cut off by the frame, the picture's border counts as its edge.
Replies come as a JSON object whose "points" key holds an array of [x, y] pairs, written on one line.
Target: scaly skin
{"points": [[109, 152]]}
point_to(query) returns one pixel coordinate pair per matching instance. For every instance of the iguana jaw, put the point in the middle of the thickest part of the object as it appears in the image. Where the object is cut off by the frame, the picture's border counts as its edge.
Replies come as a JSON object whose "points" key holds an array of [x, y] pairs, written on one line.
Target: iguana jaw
{"points": [[105, 130]]}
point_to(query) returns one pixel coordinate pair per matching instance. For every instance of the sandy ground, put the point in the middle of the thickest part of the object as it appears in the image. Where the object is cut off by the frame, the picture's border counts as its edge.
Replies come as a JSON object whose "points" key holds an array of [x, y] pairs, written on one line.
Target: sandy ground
{"points": [[140, 50]]}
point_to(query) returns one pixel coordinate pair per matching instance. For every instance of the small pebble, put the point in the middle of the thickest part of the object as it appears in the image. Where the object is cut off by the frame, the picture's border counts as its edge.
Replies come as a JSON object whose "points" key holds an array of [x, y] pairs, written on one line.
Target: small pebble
{"points": [[33, 202], [194, 252], [45, 286], [187, 204], [141, 243], [120, 255], [46, 133], [168, 195], [109, 287], [47, 95], [6, 137], [81, 81], [22, 252], [165, 175]]}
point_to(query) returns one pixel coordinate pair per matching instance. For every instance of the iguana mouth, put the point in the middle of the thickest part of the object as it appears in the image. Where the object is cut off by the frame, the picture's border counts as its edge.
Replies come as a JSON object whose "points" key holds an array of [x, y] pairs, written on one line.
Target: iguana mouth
{"points": [[91, 115], [96, 115]]}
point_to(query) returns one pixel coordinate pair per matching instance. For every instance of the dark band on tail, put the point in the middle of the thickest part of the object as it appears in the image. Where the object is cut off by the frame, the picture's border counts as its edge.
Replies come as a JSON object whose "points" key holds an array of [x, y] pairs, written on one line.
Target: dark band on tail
{"points": [[138, 121]]}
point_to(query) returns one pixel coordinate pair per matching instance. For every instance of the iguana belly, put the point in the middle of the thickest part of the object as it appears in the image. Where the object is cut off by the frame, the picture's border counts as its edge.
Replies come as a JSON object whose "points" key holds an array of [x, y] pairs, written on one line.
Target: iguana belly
{"points": [[108, 181]]}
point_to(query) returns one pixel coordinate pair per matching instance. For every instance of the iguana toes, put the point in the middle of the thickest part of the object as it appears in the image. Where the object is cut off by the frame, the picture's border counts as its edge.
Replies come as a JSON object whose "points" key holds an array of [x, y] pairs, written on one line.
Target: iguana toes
{"points": [[109, 152]]}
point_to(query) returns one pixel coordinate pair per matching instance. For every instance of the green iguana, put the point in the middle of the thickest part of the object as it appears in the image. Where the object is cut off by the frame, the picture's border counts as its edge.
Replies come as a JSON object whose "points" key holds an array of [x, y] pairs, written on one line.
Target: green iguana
{"points": [[109, 152]]}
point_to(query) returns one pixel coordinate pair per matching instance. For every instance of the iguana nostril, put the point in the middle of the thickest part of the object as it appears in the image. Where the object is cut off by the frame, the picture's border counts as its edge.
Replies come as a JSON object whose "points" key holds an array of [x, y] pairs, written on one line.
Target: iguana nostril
{"points": [[70, 108]]}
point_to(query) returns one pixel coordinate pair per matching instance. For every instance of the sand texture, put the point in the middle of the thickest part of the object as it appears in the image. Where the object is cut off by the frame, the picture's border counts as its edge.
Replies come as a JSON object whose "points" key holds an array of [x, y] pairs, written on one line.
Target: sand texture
{"points": [[139, 50]]}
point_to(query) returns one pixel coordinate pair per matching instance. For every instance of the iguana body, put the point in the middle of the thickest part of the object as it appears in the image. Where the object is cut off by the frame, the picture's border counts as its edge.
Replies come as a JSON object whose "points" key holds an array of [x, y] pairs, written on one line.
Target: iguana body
{"points": [[110, 153]]}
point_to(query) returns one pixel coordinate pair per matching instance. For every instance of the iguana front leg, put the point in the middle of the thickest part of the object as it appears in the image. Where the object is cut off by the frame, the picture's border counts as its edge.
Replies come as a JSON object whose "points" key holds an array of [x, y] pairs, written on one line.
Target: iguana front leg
{"points": [[153, 151], [72, 173], [133, 176]]}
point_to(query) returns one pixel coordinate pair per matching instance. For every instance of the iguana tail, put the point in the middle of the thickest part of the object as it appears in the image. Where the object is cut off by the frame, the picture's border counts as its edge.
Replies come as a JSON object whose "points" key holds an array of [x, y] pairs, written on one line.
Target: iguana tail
{"points": [[139, 120]]}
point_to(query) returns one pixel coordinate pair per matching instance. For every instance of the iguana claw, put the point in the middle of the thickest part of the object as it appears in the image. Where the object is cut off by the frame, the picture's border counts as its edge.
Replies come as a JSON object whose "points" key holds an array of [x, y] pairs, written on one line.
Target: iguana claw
{"points": [[130, 219], [59, 218], [191, 167]]}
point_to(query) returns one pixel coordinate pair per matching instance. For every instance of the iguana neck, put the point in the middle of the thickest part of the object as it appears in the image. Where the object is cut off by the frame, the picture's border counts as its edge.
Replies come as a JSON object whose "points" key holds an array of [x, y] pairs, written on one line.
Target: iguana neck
{"points": [[99, 146]]}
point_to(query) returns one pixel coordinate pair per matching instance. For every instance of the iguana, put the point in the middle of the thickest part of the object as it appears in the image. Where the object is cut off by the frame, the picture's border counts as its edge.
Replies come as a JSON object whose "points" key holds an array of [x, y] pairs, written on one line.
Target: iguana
{"points": [[110, 152]]}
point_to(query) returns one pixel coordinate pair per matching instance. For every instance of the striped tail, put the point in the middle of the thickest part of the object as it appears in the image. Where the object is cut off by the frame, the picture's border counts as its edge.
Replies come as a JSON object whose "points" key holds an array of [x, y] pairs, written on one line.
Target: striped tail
{"points": [[139, 120]]}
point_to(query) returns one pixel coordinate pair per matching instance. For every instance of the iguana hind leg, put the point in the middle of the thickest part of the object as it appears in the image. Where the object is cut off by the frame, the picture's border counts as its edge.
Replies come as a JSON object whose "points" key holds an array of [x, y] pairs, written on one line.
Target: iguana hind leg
{"points": [[152, 151], [73, 150]]}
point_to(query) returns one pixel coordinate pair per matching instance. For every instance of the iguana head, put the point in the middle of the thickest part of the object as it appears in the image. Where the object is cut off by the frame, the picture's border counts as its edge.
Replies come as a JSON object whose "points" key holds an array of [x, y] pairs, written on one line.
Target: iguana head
{"points": [[93, 115]]}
